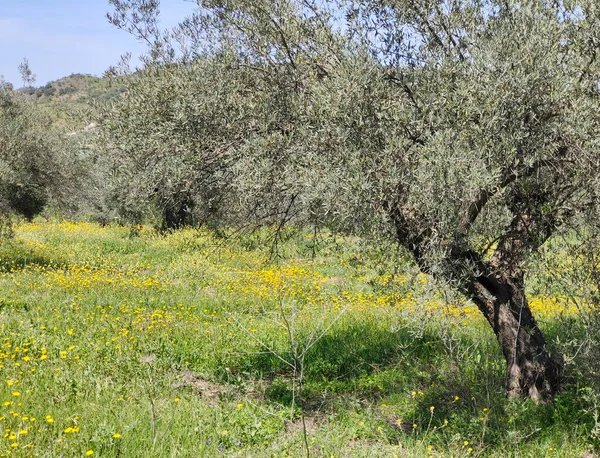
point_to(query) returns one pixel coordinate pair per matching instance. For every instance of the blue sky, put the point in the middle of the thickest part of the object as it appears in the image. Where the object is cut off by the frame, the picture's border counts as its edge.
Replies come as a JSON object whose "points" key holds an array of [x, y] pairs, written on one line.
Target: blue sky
{"points": [[60, 37]]}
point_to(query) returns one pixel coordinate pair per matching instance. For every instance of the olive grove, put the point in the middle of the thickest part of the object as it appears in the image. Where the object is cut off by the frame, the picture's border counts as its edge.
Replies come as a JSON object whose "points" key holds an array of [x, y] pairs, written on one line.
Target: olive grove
{"points": [[465, 130]]}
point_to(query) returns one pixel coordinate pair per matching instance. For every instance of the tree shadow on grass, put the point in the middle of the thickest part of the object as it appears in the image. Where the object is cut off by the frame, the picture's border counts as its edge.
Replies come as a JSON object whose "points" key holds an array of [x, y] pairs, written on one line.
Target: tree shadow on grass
{"points": [[370, 363], [15, 257], [428, 389]]}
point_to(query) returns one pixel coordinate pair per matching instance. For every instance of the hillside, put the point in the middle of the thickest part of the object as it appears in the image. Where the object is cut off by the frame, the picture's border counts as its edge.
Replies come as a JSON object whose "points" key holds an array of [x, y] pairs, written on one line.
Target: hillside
{"points": [[78, 88], [71, 101]]}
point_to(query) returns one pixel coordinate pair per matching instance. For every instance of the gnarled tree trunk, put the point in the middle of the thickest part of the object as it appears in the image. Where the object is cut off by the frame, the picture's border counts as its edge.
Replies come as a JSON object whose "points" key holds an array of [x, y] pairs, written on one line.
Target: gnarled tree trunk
{"points": [[497, 287], [531, 371]]}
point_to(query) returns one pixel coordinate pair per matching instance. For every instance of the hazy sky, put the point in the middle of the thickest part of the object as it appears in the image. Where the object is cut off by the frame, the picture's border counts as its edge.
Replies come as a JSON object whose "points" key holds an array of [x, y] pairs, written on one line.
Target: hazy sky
{"points": [[60, 37]]}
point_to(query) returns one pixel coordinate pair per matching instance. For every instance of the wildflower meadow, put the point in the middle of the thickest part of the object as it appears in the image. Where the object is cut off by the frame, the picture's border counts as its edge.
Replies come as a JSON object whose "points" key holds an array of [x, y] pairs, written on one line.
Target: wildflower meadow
{"points": [[131, 343]]}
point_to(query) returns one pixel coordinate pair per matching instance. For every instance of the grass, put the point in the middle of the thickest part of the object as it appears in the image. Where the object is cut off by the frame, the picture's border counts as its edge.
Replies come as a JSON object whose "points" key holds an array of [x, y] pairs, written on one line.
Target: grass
{"points": [[183, 345]]}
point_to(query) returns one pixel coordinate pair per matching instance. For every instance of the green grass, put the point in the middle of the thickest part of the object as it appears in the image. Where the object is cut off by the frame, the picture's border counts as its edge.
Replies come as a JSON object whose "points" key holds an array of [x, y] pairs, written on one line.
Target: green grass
{"points": [[178, 345]]}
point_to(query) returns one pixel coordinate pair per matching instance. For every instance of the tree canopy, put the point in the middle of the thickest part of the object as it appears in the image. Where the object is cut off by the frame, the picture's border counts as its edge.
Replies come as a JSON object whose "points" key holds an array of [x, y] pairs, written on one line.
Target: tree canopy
{"points": [[465, 130], [38, 162]]}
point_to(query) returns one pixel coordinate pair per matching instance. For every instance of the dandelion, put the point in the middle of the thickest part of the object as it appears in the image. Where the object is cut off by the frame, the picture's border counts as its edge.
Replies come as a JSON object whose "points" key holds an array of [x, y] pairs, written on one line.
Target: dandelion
{"points": [[240, 405], [116, 436], [89, 453]]}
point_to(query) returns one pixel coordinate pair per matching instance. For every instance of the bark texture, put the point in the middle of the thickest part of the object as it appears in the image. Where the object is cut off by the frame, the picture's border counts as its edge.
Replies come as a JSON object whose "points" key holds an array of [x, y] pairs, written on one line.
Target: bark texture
{"points": [[499, 292], [531, 370], [497, 287]]}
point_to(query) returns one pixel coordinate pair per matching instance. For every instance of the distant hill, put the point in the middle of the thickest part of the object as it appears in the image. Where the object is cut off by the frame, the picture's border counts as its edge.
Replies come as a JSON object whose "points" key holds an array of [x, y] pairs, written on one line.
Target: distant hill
{"points": [[77, 88], [71, 101]]}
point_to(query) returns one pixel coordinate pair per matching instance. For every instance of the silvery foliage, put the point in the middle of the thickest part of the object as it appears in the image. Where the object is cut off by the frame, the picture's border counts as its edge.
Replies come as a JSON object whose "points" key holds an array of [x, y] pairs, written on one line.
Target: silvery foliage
{"points": [[455, 115], [38, 162]]}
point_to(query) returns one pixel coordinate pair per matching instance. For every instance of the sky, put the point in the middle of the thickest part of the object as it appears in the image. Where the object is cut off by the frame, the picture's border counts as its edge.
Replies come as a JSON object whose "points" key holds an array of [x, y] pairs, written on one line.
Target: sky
{"points": [[61, 37]]}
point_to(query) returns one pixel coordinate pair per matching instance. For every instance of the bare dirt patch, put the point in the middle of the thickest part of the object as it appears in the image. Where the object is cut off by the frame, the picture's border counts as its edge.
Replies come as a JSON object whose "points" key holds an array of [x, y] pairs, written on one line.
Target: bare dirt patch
{"points": [[201, 386]]}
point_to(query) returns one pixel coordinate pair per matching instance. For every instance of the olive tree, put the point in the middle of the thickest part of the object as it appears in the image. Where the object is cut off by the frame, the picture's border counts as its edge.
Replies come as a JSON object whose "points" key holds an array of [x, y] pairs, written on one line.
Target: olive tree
{"points": [[466, 130], [38, 162], [170, 140]]}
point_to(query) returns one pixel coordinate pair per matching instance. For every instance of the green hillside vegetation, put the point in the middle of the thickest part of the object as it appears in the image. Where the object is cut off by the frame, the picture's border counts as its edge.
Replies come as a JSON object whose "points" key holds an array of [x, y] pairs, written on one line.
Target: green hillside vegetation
{"points": [[71, 101], [77, 88]]}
